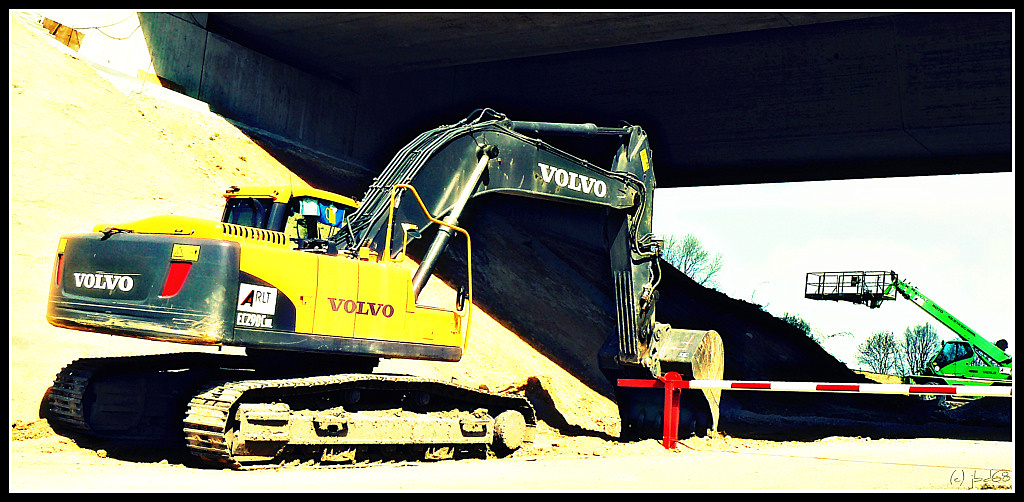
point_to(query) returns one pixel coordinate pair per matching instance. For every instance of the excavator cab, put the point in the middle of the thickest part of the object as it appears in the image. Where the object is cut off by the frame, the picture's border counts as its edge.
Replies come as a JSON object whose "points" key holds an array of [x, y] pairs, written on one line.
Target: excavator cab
{"points": [[308, 217]]}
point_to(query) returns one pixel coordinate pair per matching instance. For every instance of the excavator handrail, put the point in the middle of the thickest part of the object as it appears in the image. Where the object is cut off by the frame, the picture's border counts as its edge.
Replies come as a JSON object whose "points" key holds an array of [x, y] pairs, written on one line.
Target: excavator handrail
{"points": [[469, 253]]}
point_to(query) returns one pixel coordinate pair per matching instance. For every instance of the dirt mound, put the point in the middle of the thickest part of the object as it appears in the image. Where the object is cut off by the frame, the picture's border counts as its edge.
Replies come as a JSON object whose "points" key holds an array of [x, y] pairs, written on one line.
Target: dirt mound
{"points": [[538, 271], [83, 152], [548, 403]]}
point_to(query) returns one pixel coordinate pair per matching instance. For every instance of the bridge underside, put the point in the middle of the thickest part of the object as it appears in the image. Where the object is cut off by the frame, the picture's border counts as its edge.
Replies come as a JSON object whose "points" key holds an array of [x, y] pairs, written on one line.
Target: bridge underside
{"points": [[726, 97]]}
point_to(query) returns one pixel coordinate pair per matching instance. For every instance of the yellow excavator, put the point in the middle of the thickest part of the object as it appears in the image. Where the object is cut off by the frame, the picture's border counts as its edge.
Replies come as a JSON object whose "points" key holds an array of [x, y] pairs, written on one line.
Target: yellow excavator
{"points": [[316, 289]]}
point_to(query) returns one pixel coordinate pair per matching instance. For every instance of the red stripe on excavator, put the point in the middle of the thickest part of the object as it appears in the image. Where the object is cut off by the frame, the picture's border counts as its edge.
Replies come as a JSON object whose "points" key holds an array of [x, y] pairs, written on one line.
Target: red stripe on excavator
{"points": [[176, 276], [60, 268]]}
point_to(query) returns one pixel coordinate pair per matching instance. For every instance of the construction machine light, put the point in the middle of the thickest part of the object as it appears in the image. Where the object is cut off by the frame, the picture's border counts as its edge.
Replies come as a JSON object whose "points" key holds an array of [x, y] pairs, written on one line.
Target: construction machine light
{"points": [[61, 244], [60, 268], [176, 276]]}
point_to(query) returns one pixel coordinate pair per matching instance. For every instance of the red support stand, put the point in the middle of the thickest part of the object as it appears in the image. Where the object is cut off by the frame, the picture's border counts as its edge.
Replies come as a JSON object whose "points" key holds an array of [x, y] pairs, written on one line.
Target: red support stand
{"points": [[673, 384]]}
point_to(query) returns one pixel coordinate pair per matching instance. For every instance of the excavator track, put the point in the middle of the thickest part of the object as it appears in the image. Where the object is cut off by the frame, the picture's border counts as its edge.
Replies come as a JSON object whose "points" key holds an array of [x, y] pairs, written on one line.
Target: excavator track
{"points": [[206, 423], [215, 421], [201, 400], [68, 393], [130, 398]]}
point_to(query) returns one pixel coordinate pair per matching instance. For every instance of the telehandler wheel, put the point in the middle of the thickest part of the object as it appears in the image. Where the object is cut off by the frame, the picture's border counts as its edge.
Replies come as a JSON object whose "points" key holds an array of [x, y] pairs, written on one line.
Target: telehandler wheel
{"points": [[509, 432]]}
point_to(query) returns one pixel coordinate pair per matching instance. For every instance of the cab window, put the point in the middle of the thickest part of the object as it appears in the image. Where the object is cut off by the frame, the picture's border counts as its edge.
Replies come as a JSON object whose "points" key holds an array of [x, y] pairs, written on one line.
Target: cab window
{"points": [[952, 352], [310, 218], [250, 212]]}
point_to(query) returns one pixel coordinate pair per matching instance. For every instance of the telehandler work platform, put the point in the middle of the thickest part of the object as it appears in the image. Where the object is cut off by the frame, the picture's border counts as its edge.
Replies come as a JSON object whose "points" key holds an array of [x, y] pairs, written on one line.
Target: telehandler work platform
{"points": [[865, 288]]}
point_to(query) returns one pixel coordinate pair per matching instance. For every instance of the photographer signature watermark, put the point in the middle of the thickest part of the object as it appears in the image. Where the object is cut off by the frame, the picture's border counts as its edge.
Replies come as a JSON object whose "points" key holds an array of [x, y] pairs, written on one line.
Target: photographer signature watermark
{"points": [[979, 478]]}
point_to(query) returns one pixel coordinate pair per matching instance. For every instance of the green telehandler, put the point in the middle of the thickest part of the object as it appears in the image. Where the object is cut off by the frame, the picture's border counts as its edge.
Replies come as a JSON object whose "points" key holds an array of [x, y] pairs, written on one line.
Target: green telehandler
{"points": [[971, 360]]}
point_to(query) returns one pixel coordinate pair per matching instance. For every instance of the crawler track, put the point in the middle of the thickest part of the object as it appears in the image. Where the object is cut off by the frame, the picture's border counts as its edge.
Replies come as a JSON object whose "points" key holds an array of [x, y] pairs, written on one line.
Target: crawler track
{"points": [[132, 398], [193, 399], [210, 419]]}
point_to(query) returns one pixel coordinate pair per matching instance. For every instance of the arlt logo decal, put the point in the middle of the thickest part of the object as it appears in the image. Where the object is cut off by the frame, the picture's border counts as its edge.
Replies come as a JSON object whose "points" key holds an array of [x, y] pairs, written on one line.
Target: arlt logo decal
{"points": [[256, 306]]}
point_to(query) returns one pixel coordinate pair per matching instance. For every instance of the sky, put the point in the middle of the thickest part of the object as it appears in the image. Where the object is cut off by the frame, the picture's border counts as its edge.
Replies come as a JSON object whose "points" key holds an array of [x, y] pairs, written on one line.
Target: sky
{"points": [[950, 236]]}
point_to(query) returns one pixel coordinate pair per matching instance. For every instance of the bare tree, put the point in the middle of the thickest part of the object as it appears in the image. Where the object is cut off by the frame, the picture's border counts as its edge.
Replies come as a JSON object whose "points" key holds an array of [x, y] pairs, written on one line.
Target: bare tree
{"points": [[879, 353], [799, 323], [689, 256], [919, 344]]}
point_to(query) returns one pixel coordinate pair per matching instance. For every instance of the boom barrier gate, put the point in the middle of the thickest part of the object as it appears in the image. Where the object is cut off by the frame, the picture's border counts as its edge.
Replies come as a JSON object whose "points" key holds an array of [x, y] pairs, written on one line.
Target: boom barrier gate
{"points": [[673, 384]]}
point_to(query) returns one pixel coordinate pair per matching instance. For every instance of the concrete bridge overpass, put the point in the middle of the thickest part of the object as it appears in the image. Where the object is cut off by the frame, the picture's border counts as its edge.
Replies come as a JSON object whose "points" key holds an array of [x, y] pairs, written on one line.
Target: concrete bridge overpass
{"points": [[727, 97]]}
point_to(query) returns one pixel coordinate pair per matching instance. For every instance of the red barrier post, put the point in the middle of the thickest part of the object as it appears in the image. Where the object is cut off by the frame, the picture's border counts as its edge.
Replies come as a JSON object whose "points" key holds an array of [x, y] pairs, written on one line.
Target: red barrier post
{"points": [[673, 385], [670, 432]]}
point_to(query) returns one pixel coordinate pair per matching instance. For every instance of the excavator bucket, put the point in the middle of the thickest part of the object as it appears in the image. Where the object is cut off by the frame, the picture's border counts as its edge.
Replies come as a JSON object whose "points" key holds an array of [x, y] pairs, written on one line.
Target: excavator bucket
{"points": [[866, 288], [693, 354]]}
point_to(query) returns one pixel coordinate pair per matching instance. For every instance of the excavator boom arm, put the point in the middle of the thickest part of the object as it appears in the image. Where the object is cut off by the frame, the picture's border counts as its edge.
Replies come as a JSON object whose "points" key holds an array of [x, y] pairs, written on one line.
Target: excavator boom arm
{"points": [[489, 154], [486, 155], [444, 165]]}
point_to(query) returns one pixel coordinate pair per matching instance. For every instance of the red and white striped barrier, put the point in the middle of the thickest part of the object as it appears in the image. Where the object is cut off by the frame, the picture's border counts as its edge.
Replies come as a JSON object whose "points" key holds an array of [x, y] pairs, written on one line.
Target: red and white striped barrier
{"points": [[863, 388], [672, 383]]}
